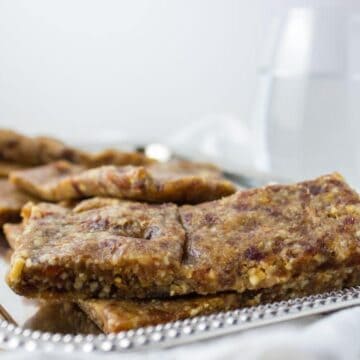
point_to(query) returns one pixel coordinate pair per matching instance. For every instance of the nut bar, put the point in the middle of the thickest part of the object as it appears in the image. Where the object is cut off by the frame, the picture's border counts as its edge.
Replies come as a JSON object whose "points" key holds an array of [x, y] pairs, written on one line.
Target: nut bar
{"points": [[263, 237], [30, 151], [42, 181], [178, 182], [113, 316], [11, 202], [251, 240], [88, 253], [119, 315]]}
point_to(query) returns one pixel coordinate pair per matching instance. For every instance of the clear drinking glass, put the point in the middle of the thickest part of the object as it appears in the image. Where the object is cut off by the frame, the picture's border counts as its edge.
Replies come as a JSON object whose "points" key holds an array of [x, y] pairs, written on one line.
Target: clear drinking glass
{"points": [[307, 118]]}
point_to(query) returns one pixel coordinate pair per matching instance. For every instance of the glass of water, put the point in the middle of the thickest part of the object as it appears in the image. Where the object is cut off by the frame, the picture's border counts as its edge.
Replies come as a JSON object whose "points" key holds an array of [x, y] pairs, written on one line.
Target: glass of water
{"points": [[307, 115]]}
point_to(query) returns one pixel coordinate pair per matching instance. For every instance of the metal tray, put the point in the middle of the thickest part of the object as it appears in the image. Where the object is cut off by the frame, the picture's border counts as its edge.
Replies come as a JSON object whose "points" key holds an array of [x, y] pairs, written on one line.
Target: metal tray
{"points": [[64, 327], [168, 335]]}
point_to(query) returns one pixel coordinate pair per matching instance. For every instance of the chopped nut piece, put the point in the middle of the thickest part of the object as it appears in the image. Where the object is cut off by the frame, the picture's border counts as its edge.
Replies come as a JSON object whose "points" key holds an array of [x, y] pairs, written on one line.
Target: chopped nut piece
{"points": [[256, 276], [16, 269]]}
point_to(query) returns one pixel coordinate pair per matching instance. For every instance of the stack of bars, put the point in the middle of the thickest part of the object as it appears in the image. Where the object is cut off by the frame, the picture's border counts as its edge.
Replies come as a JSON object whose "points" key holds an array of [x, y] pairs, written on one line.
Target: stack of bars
{"points": [[134, 242]]}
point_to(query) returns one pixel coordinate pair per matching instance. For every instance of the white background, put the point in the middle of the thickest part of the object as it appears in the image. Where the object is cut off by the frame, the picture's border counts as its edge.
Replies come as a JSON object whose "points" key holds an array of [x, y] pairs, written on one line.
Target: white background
{"points": [[137, 69]]}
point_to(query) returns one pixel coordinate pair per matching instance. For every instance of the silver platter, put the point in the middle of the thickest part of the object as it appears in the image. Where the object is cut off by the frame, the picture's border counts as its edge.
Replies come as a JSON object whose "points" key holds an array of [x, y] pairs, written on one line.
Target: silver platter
{"points": [[180, 332], [64, 327]]}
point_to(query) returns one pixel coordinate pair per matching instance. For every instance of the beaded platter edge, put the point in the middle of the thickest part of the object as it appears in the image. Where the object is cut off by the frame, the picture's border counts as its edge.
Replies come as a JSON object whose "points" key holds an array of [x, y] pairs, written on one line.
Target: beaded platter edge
{"points": [[179, 332]]}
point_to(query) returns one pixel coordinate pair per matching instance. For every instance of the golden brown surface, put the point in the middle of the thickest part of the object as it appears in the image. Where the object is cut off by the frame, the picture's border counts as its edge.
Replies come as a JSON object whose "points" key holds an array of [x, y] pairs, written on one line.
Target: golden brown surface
{"points": [[178, 182], [25, 150], [251, 240], [11, 202]]}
